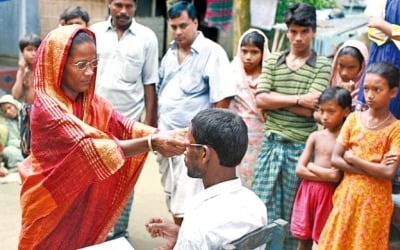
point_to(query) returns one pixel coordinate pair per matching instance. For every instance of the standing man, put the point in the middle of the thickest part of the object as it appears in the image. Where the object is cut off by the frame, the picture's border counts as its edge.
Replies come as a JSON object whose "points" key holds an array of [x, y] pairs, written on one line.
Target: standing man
{"points": [[290, 85], [128, 62], [194, 75], [127, 73]]}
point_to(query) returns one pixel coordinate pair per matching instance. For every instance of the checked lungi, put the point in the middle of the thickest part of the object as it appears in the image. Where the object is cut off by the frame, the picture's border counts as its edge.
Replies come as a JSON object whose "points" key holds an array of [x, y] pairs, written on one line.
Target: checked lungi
{"points": [[275, 180]]}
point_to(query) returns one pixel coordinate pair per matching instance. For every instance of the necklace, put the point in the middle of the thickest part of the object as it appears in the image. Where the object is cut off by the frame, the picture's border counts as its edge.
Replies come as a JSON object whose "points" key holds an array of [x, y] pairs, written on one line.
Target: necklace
{"points": [[379, 124]]}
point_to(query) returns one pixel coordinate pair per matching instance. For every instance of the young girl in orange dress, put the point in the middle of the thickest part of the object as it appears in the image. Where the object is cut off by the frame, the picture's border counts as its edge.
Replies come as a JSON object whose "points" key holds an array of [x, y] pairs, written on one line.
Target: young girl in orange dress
{"points": [[246, 66], [367, 150]]}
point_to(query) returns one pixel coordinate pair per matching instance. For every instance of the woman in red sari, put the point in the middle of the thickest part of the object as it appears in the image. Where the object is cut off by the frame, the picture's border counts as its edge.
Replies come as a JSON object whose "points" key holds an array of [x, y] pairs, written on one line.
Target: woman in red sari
{"points": [[78, 178]]}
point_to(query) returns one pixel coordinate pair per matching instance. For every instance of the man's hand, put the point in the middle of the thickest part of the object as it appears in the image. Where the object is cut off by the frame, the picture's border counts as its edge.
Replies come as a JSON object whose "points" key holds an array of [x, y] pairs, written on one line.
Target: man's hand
{"points": [[158, 227], [170, 143], [309, 100]]}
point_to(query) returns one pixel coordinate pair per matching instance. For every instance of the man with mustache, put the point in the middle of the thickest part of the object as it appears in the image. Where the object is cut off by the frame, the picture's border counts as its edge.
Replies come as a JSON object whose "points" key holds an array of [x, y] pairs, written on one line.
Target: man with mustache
{"points": [[127, 72], [194, 75]]}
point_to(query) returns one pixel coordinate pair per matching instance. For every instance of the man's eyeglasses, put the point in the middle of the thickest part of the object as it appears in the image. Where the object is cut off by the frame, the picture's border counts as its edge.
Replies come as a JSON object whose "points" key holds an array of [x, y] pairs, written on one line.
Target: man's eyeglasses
{"points": [[83, 65], [195, 145]]}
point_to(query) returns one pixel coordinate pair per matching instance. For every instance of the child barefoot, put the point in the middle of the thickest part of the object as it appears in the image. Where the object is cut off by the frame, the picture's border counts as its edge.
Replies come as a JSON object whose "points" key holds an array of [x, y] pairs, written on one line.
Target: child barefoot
{"points": [[367, 150], [313, 201]]}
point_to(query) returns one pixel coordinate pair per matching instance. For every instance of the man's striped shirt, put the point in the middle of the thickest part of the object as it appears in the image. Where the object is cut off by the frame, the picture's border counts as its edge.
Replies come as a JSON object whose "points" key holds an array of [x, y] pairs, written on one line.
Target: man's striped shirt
{"points": [[277, 77]]}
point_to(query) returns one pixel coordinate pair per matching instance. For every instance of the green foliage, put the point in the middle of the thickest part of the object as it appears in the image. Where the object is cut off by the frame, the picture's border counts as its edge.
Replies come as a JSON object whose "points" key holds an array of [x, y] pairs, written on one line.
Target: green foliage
{"points": [[284, 4]]}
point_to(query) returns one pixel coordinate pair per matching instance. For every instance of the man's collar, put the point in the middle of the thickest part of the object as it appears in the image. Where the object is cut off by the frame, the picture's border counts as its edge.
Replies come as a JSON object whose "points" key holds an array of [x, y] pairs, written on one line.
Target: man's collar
{"points": [[130, 28], [196, 45], [312, 60]]}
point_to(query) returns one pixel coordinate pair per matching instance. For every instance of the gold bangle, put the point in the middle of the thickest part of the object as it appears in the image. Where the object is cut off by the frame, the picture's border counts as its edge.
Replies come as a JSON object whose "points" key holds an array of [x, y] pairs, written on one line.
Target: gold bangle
{"points": [[149, 137]]}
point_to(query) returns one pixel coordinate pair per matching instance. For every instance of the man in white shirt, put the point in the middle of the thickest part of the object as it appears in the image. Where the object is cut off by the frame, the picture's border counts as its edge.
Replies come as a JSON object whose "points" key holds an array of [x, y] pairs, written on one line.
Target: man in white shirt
{"points": [[128, 62], [127, 72], [225, 210], [194, 75]]}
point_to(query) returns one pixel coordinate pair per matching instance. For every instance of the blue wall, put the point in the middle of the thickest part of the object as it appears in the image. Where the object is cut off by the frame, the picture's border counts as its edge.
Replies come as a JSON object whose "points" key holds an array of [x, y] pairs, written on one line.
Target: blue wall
{"points": [[10, 24]]}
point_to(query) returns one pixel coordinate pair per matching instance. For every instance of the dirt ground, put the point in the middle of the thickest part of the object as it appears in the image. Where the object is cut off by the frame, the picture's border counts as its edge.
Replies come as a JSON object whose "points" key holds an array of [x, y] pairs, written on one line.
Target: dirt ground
{"points": [[148, 202]]}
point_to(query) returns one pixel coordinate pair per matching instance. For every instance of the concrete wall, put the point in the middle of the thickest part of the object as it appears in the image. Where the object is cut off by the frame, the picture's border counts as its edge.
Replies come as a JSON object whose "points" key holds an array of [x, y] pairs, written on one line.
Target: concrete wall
{"points": [[50, 11], [157, 25]]}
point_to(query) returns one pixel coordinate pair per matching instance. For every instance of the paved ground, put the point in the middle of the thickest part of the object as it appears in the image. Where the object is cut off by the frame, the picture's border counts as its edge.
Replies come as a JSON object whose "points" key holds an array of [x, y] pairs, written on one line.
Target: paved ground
{"points": [[149, 201]]}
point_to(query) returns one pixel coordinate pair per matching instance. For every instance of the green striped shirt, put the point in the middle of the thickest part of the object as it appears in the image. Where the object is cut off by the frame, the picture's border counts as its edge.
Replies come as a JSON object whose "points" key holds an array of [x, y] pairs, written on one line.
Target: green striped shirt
{"points": [[312, 77]]}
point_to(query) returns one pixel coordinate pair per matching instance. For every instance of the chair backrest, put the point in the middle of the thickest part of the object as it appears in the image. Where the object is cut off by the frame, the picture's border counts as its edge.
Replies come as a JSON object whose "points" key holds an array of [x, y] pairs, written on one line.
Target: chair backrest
{"points": [[271, 235], [253, 239]]}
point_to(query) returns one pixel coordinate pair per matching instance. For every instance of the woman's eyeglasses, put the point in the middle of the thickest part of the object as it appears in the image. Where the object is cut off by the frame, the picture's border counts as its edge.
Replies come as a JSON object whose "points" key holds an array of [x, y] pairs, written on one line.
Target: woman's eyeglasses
{"points": [[82, 65]]}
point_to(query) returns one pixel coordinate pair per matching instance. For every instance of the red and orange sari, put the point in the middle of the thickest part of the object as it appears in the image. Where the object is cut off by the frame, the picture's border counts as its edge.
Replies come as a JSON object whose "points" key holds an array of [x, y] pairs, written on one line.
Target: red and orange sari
{"points": [[77, 179]]}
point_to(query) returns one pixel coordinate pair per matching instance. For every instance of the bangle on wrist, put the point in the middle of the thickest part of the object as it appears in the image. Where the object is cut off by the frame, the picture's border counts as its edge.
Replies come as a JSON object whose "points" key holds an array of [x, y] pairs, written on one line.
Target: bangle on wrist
{"points": [[149, 137]]}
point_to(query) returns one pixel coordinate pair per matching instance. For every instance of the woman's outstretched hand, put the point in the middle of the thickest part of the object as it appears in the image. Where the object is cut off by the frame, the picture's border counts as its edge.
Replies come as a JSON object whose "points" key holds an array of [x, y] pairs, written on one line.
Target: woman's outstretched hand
{"points": [[169, 143]]}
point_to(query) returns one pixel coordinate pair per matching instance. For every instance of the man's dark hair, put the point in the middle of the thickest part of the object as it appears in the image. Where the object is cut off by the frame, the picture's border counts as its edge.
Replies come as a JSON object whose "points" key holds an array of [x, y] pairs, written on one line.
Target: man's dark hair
{"points": [[388, 71], [29, 39], [224, 131], [75, 12], [181, 6], [302, 14]]}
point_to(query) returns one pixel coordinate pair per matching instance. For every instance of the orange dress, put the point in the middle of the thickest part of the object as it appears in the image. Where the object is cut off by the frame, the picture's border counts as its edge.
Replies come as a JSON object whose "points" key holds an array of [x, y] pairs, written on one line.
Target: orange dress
{"points": [[362, 204]]}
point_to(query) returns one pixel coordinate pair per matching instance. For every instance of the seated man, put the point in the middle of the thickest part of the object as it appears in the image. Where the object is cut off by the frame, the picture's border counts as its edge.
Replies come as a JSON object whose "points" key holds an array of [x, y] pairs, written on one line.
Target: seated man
{"points": [[224, 210]]}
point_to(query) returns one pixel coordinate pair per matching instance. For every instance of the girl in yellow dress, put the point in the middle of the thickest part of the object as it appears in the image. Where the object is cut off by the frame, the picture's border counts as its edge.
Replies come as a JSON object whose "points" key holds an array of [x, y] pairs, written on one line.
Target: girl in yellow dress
{"points": [[367, 150]]}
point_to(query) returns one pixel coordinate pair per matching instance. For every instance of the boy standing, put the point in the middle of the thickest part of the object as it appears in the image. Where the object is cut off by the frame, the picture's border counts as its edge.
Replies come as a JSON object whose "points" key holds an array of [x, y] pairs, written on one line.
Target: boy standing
{"points": [[289, 88], [313, 202], [23, 88]]}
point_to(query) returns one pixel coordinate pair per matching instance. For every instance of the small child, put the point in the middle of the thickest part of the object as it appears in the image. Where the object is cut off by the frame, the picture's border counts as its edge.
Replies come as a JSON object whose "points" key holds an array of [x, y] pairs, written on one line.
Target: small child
{"points": [[246, 67], [348, 67], [75, 15], [23, 89], [313, 201], [11, 150], [367, 151]]}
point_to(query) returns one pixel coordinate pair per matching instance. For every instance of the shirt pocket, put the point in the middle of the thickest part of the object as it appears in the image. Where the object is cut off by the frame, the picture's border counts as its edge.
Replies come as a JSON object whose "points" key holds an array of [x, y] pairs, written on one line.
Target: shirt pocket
{"points": [[131, 69], [193, 83]]}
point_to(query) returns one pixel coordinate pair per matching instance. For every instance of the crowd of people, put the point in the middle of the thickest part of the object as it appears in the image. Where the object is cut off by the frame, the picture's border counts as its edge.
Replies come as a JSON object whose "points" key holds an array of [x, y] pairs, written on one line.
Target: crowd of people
{"points": [[286, 135]]}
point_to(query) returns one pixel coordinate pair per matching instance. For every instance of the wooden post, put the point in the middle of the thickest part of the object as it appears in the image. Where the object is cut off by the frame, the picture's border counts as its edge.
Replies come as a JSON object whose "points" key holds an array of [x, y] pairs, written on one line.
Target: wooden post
{"points": [[241, 10]]}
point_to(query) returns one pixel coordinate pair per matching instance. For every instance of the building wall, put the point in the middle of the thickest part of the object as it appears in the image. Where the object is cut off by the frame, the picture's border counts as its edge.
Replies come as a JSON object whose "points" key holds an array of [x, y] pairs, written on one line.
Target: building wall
{"points": [[16, 19], [50, 11]]}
